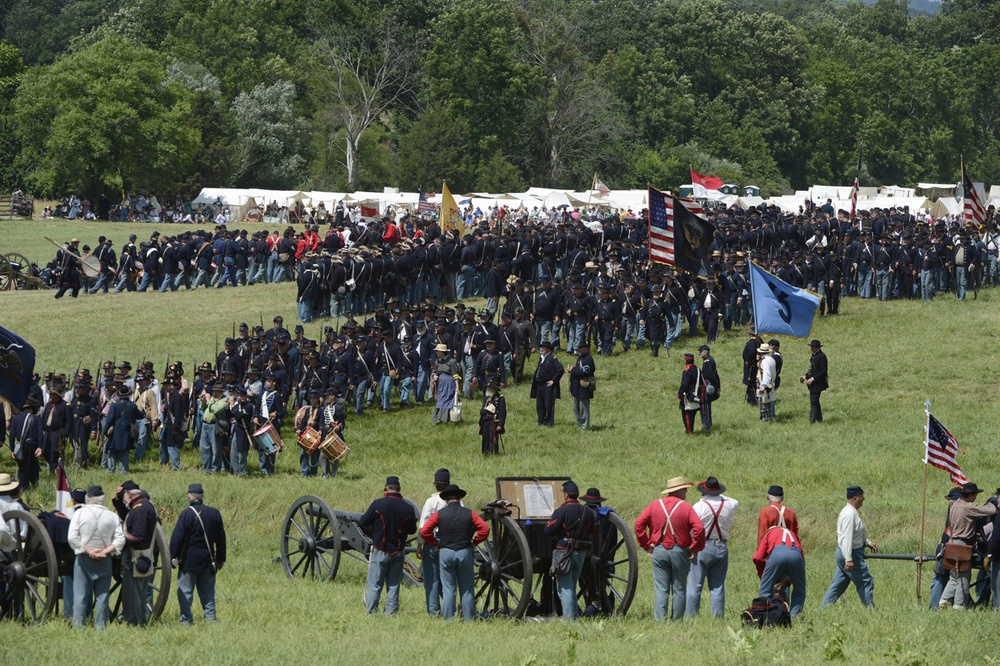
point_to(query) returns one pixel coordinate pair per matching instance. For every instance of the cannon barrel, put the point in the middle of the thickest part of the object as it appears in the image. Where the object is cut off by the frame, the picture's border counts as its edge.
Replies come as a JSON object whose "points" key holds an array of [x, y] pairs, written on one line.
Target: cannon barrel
{"points": [[906, 558], [347, 516]]}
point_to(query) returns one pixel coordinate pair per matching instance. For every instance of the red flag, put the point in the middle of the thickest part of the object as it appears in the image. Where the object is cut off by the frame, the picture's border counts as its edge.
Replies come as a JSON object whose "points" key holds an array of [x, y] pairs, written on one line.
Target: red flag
{"points": [[704, 184], [64, 502], [368, 213], [941, 450]]}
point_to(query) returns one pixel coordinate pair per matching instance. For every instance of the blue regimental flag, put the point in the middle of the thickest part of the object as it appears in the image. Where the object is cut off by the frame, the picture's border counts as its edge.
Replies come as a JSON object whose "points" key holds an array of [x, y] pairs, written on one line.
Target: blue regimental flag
{"points": [[17, 365], [780, 308]]}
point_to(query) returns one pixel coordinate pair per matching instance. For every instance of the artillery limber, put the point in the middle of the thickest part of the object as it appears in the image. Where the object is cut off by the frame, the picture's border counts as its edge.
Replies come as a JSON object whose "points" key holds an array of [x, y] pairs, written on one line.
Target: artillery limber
{"points": [[31, 572], [512, 565], [513, 578], [314, 536]]}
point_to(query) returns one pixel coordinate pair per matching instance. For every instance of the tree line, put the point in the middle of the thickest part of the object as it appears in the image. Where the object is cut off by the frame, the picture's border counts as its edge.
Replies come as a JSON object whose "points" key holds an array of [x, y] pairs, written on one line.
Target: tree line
{"points": [[101, 97]]}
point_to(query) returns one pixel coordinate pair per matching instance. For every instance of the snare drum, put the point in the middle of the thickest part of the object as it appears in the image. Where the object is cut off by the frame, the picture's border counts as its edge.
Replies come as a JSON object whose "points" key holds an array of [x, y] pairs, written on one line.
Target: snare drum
{"points": [[268, 439], [310, 440], [333, 448]]}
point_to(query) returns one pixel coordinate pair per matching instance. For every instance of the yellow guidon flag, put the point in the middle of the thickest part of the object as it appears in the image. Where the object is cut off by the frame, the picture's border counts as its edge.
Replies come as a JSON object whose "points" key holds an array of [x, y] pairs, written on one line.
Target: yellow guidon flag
{"points": [[451, 215]]}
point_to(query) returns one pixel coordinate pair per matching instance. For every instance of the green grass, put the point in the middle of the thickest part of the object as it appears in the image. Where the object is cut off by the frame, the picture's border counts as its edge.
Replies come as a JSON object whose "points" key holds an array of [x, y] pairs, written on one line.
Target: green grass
{"points": [[885, 360]]}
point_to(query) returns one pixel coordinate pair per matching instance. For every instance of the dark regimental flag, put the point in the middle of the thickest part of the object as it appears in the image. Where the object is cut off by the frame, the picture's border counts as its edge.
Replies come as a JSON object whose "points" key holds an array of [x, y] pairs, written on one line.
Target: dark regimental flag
{"points": [[678, 234], [17, 365], [425, 205], [942, 448], [975, 211], [857, 184]]}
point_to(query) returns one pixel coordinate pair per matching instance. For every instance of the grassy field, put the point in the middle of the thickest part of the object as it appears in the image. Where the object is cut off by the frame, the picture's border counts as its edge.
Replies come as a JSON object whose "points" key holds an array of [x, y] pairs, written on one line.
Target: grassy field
{"points": [[885, 359]]}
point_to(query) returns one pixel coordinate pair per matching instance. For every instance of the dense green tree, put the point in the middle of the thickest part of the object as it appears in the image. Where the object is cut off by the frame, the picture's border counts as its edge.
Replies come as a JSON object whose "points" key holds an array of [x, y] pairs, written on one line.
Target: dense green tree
{"points": [[269, 137], [104, 119], [436, 148]]}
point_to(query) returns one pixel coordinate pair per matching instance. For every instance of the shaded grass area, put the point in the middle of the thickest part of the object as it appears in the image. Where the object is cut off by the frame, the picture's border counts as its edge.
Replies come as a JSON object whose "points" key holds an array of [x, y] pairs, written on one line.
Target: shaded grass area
{"points": [[886, 359]]}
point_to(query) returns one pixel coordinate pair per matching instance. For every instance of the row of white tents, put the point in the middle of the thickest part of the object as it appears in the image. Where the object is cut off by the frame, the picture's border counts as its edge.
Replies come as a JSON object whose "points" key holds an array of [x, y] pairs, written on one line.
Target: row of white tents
{"points": [[931, 199]]}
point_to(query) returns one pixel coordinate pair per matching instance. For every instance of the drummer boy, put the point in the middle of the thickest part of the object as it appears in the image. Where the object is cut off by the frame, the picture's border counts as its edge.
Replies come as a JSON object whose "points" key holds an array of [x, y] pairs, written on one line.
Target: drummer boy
{"points": [[334, 419], [311, 417]]}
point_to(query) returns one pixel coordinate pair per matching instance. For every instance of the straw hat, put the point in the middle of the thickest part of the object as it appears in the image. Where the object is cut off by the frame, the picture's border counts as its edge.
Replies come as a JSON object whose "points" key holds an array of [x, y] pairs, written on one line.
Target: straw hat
{"points": [[677, 483], [7, 484]]}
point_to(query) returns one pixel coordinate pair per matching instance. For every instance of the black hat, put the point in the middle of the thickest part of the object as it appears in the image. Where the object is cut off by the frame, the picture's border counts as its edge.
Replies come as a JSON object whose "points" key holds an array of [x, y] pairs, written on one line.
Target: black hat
{"points": [[278, 318], [854, 491], [570, 488], [196, 489], [954, 494], [452, 492], [815, 343], [78, 495], [970, 489], [704, 348], [124, 392], [546, 344], [593, 496], [711, 486], [130, 485], [442, 476], [776, 491], [392, 481], [95, 491]]}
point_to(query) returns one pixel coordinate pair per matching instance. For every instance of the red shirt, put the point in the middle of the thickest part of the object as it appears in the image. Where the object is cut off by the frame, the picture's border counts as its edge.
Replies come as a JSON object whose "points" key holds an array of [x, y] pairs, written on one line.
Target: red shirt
{"points": [[769, 515], [391, 234], [651, 525], [482, 529], [776, 536]]}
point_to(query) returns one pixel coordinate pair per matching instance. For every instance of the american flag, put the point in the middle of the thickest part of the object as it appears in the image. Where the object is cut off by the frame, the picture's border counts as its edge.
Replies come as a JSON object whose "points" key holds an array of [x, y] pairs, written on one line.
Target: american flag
{"points": [[661, 224], [425, 205], [941, 450], [857, 183], [975, 211], [600, 187]]}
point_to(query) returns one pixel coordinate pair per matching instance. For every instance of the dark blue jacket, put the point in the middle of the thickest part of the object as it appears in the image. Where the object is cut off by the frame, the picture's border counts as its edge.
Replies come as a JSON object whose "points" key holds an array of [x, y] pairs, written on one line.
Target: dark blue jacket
{"points": [[389, 520], [187, 543]]}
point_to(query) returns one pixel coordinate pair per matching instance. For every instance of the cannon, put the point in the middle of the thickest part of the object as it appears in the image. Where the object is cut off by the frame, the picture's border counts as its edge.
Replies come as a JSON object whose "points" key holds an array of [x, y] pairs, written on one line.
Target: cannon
{"points": [[512, 565], [15, 273], [314, 536], [31, 572]]}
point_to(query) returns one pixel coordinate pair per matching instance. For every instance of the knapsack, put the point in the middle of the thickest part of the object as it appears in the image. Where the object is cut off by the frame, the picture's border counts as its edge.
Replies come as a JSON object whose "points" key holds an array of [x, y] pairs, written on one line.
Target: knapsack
{"points": [[767, 612]]}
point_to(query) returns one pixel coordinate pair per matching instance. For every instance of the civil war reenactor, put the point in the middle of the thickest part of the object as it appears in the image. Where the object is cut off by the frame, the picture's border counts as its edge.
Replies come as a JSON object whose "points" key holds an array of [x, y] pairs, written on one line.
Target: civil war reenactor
{"points": [[573, 525], [85, 420], [138, 515], [492, 418]]}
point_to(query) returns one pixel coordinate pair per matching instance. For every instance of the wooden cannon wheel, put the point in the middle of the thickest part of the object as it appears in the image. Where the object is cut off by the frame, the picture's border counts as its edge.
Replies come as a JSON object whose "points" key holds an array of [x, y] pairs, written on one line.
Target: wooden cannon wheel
{"points": [[30, 570], [503, 570], [8, 276], [609, 578], [310, 540], [159, 581]]}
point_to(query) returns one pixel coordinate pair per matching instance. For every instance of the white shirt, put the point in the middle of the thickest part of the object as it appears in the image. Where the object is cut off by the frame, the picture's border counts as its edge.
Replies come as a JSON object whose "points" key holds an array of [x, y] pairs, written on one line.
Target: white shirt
{"points": [[95, 526], [851, 532], [433, 504], [765, 375], [725, 507], [8, 503]]}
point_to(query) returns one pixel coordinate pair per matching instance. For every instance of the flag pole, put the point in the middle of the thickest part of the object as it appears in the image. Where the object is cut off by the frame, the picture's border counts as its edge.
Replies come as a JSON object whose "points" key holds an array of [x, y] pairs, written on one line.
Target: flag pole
{"points": [[923, 502]]}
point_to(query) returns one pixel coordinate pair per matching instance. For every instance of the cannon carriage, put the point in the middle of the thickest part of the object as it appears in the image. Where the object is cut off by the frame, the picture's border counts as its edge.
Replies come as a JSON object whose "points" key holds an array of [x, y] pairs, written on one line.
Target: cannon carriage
{"points": [[512, 565], [31, 572], [314, 537]]}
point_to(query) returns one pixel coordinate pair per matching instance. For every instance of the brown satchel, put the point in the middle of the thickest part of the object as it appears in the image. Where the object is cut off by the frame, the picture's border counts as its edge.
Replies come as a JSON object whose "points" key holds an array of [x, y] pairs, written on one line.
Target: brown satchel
{"points": [[957, 557]]}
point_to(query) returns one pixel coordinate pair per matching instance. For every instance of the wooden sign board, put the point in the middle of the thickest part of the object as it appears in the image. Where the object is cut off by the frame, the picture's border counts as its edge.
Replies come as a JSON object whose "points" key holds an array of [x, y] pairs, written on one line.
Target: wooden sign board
{"points": [[535, 497]]}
